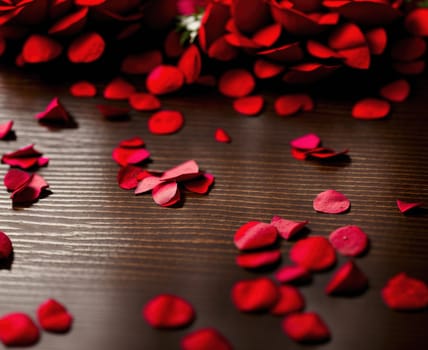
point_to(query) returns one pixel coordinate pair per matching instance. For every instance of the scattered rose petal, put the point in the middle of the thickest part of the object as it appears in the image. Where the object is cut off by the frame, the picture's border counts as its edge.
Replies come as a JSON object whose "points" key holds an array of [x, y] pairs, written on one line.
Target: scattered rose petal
{"points": [[18, 329], [371, 108], [221, 135], [30, 191], [83, 89], [254, 235], [313, 253], [184, 171], [164, 79], [236, 83], [264, 69], [38, 49], [113, 113], [127, 177], [416, 22], [306, 142], [133, 142], [148, 184], [249, 105], [205, 339], [347, 280], [331, 202], [221, 50], [166, 194], [165, 122], [168, 311], [403, 293], [377, 40], [5, 129], [190, 64], [404, 207], [86, 48], [287, 228], [324, 153], [349, 240], [253, 295], [172, 45], [55, 112], [258, 259], [319, 50], [130, 151], [5, 246], [201, 184], [396, 91], [290, 274], [290, 300], [118, 89], [346, 36], [15, 178], [54, 317], [24, 158], [356, 57], [142, 63], [142, 101], [306, 327], [287, 105]]}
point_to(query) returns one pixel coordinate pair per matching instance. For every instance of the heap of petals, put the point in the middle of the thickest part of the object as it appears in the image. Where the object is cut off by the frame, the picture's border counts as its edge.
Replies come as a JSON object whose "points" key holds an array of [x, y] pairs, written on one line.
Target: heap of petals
{"points": [[309, 147], [25, 158]]}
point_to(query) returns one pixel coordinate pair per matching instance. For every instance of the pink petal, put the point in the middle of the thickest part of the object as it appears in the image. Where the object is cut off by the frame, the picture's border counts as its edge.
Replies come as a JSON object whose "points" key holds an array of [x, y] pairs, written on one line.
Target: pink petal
{"points": [[166, 194], [184, 171]]}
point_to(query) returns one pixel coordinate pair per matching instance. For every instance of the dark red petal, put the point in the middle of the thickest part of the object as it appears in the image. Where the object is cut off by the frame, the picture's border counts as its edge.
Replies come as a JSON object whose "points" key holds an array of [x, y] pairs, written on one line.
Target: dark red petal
{"points": [[86, 48], [287, 228], [205, 339], [319, 50], [396, 91], [25, 157], [402, 292], [265, 69], [258, 259], [54, 317], [416, 22], [249, 105], [133, 142], [331, 202], [258, 294], [249, 15], [5, 246], [313, 253], [201, 184], [290, 274], [404, 207], [5, 129], [18, 329], [409, 68], [290, 300], [142, 101], [221, 135], [306, 327], [83, 89], [371, 108], [306, 142], [207, 80], [148, 184], [165, 122], [349, 240], [308, 72], [113, 112], [16, 178], [184, 171], [190, 64], [348, 279], [286, 105], [172, 45], [70, 24], [268, 35], [213, 23], [118, 89], [127, 177], [31, 191], [236, 83], [285, 53], [254, 235], [168, 311], [376, 39], [346, 36], [142, 63], [221, 50], [54, 112], [166, 194], [324, 153], [125, 156], [38, 49], [356, 57], [164, 79], [408, 49]]}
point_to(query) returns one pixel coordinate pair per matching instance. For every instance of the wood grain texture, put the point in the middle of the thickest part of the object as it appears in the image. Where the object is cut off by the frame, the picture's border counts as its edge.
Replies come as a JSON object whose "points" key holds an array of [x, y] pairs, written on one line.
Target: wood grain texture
{"points": [[104, 252]]}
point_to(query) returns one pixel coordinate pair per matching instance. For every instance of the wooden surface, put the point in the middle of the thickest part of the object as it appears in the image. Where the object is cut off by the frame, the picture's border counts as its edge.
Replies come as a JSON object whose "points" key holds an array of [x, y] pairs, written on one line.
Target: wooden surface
{"points": [[104, 252]]}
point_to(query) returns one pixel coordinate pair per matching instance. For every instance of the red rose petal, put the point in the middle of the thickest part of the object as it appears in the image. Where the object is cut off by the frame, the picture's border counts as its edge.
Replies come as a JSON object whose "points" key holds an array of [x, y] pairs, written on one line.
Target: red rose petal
{"points": [[376, 39], [236, 83], [25, 157], [258, 259], [213, 23], [249, 105], [290, 274], [86, 48], [324, 153], [221, 50], [299, 154], [166, 194], [408, 49], [409, 68], [287, 228], [54, 112], [164, 79], [190, 64], [83, 89], [142, 101], [371, 108], [402, 293], [348, 279], [54, 317], [5, 246], [31, 191], [165, 122], [254, 235], [264, 69], [200, 184], [287, 105], [118, 89], [346, 36], [319, 50], [184, 171], [306, 73], [148, 184], [5, 129], [249, 15], [39, 49], [313, 253], [416, 22], [168, 311], [306, 327], [267, 36], [133, 142], [205, 339], [396, 91], [70, 24], [285, 53], [349, 240], [172, 44], [42, 161], [258, 294], [113, 113], [306, 142], [16, 178], [331, 202], [404, 207], [125, 156], [356, 57], [142, 63], [127, 177], [290, 300], [18, 329], [221, 135]]}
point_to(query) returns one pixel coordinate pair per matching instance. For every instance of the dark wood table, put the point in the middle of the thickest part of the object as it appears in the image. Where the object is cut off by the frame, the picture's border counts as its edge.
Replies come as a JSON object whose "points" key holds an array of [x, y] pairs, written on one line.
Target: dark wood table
{"points": [[104, 252]]}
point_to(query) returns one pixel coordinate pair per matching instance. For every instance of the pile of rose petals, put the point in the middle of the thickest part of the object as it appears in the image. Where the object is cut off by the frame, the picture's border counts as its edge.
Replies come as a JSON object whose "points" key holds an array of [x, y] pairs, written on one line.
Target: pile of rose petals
{"points": [[130, 151], [308, 146], [25, 158], [25, 187]]}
